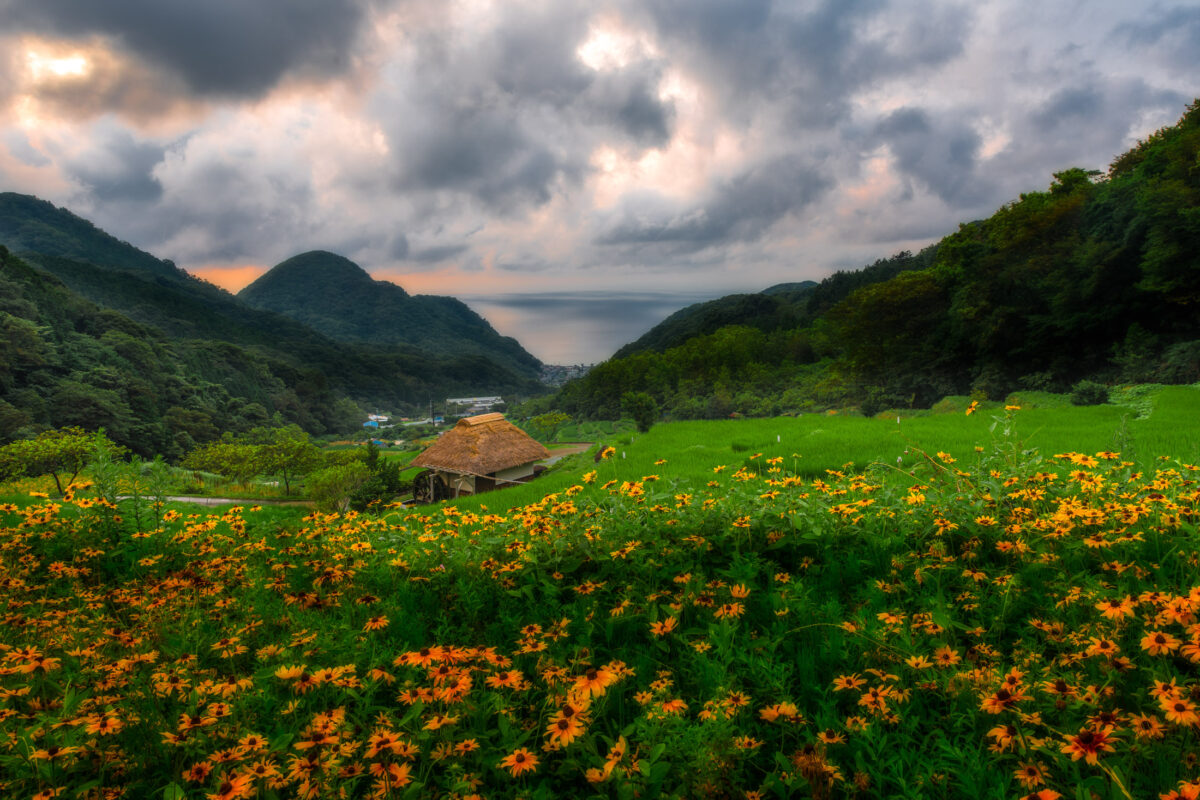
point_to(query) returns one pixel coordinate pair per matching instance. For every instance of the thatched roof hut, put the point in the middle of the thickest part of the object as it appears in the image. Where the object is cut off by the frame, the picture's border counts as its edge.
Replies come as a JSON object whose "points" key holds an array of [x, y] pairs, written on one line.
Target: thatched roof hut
{"points": [[480, 453]]}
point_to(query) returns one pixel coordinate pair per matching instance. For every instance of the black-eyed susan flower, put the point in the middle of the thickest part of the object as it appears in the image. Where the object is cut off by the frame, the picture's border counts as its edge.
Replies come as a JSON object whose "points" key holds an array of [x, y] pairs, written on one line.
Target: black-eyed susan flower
{"points": [[519, 761]]}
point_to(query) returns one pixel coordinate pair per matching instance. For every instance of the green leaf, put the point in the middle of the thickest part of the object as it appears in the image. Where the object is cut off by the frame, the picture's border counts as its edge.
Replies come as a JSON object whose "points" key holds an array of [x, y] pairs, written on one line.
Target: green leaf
{"points": [[174, 792], [412, 713]]}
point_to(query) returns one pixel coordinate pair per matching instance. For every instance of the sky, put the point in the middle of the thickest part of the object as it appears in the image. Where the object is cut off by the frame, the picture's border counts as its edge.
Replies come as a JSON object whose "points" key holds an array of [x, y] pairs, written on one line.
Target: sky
{"points": [[573, 170]]}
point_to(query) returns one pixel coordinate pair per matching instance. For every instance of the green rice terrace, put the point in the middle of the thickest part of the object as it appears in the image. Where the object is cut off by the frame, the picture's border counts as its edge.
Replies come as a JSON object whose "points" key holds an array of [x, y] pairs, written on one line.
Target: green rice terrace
{"points": [[993, 601]]}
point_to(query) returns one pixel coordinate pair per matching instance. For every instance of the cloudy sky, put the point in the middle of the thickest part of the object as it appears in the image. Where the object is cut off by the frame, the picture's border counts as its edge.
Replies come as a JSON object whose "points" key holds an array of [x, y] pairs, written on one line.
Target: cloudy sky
{"points": [[612, 154]]}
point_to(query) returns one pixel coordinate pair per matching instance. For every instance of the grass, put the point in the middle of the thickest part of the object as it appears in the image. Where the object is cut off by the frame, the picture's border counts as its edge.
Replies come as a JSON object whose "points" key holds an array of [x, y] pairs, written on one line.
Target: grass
{"points": [[812, 444]]}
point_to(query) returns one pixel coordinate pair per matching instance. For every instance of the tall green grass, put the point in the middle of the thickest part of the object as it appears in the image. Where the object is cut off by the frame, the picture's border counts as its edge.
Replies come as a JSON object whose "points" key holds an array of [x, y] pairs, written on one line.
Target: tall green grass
{"points": [[814, 443]]}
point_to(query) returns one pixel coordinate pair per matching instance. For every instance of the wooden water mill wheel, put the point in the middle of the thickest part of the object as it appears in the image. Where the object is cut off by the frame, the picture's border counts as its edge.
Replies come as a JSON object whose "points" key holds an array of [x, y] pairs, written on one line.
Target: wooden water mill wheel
{"points": [[429, 487]]}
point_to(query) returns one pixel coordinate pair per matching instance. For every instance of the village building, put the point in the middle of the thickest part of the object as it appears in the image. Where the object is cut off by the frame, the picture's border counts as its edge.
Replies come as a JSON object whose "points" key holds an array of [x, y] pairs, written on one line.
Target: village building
{"points": [[478, 454], [472, 405]]}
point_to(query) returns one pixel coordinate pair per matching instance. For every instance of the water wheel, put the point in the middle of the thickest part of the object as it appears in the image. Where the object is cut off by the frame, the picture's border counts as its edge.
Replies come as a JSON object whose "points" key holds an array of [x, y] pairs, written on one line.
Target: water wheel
{"points": [[429, 487]]}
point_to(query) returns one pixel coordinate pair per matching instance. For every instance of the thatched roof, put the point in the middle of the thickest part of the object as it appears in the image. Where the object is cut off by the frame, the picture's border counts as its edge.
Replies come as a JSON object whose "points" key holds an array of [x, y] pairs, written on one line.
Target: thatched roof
{"points": [[480, 446]]}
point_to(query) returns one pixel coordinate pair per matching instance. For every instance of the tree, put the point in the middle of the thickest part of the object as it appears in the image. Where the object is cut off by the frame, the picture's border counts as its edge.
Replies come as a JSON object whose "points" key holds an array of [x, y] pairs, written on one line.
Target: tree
{"points": [[382, 484], [544, 426], [236, 460], [62, 454], [332, 488], [287, 452], [642, 407]]}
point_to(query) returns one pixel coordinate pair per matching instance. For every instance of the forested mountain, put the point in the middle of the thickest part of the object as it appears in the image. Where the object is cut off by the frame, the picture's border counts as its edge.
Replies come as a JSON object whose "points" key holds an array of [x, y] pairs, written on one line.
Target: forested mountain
{"points": [[335, 296], [766, 311], [31, 225], [163, 360], [1098, 277], [66, 361]]}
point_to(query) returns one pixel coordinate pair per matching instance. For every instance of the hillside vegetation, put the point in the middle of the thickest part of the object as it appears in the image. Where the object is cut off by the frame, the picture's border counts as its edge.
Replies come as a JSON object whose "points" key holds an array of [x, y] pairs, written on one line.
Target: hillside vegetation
{"points": [[1096, 278], [333, 295], [100, 334]]}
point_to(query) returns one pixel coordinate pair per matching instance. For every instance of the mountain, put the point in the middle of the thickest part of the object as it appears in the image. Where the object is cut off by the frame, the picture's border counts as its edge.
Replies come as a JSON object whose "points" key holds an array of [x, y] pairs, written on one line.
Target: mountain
{"points": [[66, 361], [768, 310], [100, 333], [32, 225], [1097, 278], [335, 296], [779, 307]]}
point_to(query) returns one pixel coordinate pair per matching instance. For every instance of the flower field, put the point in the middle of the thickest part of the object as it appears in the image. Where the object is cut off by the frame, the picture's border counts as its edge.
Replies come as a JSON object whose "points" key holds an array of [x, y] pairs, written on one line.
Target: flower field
{"points": [[984, 624]]}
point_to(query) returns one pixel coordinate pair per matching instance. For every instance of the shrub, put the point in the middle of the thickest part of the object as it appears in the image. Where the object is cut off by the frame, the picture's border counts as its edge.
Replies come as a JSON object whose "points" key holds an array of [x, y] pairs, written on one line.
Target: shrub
{"points": [[331, 488], [1089, 393], [642, 408]]}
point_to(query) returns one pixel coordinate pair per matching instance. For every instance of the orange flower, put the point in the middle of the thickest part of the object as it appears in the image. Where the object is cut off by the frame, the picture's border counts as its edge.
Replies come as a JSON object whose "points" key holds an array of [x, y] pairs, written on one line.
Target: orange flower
{"points": [[729, 610], [1180, 711], [1102, 647], [1156, 643], [1088, 745], [1146, 726], [844, 682], [664, 627], [1116, 609], [233, 787], [1058, 686], [563, 730], [675, 706], [1001, 700], [439, 721], [595, 682], [518, 761], [392, 775], [787, 711], [1030, 774], [1004, 736], [105, 725], [946, 656]]}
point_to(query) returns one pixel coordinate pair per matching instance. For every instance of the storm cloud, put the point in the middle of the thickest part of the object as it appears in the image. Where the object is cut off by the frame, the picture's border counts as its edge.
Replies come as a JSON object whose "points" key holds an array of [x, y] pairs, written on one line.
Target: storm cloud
{"points": [[740, 209], [535, 147], [217, 47]]}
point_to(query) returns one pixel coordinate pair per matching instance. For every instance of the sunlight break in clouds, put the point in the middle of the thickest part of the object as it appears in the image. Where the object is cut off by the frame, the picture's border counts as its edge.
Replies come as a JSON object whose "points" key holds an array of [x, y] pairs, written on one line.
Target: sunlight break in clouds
{"points": [[41, 67], [659, 146]]}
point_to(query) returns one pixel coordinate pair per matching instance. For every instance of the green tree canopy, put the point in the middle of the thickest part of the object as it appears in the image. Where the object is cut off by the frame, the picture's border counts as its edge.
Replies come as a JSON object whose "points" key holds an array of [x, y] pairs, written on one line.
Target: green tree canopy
{"points": [[62, 454], [642, 407]]}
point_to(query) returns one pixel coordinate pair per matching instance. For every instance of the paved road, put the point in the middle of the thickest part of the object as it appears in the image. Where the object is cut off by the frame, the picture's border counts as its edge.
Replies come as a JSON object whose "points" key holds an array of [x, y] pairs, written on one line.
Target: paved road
{"points": [[558, 455], [227, 501]]}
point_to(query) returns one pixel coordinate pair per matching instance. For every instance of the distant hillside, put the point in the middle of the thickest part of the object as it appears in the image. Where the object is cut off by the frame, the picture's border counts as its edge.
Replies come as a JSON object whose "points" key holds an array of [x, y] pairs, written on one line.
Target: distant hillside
{"points": [[764, 311], [792, 289], [1096, 278], [335, 296], [215, 353], [66, 361], [31, 225], [780, 307]]}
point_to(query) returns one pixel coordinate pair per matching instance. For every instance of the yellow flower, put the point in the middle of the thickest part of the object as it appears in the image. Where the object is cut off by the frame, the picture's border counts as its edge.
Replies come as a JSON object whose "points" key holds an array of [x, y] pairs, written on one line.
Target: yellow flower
{"points": [[518, 761]]}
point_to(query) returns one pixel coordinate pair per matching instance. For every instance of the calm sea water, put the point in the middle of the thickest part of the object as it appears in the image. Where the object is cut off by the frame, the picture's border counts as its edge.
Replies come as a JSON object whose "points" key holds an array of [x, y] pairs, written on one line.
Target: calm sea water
{"points": [[578, 327]]}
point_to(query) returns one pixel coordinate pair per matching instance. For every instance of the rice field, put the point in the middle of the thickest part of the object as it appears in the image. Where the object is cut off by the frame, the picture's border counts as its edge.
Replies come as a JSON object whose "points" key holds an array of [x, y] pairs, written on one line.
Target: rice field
{"points": [[1164, 420]]}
